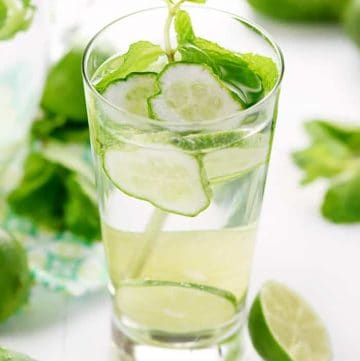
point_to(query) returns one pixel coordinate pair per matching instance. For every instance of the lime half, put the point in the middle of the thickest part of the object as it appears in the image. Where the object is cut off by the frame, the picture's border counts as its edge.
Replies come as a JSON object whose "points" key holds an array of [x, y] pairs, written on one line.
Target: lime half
{"points": [[283, 327], [191, 93], [175, 307], [171, 180]]}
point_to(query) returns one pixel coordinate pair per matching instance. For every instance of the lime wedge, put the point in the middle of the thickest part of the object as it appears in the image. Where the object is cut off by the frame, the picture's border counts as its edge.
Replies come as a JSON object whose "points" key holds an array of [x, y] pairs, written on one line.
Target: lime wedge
{"points": [[172, 181], [175, 307], [283, 327], [191, 93], [132, 92]]}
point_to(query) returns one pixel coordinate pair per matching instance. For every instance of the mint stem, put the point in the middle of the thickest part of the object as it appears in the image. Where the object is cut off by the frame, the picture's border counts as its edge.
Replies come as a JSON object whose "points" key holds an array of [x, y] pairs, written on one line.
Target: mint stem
{"points": [[173, 8]]}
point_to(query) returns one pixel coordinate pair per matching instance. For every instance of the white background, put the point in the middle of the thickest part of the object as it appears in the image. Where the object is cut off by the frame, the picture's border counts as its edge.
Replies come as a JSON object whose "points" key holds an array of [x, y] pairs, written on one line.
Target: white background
{"points": [[295, 245]]}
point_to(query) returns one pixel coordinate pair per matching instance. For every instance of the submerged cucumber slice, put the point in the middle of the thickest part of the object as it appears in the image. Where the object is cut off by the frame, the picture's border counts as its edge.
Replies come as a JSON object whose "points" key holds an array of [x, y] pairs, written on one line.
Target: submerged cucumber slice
{"points": [[131, 93], [171, 180], [191, 93], [175, 307], [242, 157]]}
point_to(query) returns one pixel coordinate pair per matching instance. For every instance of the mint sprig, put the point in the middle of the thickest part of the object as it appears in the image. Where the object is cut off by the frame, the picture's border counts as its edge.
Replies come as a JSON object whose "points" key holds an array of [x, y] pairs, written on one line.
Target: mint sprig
{"points": [[174, 8], [334, 154], [138, 58], [13, 356], [234, 71], [57, 175], [15, 16]]}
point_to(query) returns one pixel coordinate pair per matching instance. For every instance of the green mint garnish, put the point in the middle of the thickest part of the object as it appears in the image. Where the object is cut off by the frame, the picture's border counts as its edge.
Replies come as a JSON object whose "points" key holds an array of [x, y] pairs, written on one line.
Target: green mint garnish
{"points": [[55, 183], [174, 8], [334, 155], [138, 58], [3, 13], [8, 355], [244, 83], [15, 16], [264, 67], [63, 93]]}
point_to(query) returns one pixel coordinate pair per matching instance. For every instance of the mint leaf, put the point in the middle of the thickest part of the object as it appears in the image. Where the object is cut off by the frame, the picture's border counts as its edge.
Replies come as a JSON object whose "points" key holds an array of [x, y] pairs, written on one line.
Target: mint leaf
{"points": [[80, 212], [347, 135], [40, 194], [7, 355], [138, 58], [3, 13], [183, 27], [57, 180], [265, 68], [300, 10], [63, 93], [334, 150], [60, 128], [342, 200], [322, 160], [244, 83], [15, 16], [43, 127], [351, 19], [334, 154]]}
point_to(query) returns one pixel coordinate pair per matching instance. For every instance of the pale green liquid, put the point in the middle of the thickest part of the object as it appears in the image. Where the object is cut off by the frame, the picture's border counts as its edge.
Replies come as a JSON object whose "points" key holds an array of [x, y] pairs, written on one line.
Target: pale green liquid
{"points": [[178, 280]]}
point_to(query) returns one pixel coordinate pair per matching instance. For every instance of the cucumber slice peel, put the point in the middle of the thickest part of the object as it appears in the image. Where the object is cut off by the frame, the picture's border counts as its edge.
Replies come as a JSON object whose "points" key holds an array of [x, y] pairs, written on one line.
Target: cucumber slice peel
{"points": [[176, 307], [132, 92]]}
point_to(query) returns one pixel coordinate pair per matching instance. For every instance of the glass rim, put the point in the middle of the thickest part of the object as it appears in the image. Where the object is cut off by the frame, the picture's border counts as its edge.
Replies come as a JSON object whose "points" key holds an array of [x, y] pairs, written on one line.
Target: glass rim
{"points": [[190, 125]]}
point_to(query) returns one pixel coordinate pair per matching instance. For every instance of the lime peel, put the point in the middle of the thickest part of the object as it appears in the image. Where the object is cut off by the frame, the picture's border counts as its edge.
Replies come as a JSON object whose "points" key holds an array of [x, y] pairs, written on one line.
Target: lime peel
{"points": [[283, 327]]}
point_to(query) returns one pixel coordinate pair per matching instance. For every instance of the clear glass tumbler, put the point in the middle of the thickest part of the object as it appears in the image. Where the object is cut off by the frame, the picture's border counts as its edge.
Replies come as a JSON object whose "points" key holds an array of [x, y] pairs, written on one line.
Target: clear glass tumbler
{"points": [[179, 283]]}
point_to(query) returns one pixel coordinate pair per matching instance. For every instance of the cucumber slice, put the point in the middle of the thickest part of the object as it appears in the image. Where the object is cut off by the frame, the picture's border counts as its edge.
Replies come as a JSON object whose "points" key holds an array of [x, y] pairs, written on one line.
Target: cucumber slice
{"points": [[205, 142], [176, 307], [132, 92], [228, 163], [191, 93], [171, 180]]}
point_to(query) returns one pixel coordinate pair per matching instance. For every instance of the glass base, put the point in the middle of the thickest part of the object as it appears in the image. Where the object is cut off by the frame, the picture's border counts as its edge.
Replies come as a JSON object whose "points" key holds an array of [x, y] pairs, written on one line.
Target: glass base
{"points": [[228, 348]]}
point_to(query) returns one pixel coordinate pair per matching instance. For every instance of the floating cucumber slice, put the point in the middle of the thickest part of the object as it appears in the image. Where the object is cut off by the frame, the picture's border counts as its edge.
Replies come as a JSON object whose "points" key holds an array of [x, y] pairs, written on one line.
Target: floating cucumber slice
{"points": [[175, 307], [224, 164], [204, 142], [170, 180], [132, 92], [191, 93]]}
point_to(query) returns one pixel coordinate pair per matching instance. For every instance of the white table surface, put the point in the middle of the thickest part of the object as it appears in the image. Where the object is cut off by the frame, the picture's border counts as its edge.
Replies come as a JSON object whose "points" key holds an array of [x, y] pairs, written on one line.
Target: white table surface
{"points": [[295, 244]]}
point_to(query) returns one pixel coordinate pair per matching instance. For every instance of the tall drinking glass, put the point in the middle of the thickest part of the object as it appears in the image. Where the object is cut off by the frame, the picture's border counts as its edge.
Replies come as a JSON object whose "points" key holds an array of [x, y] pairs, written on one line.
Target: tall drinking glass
{"points": [[179, 202]]}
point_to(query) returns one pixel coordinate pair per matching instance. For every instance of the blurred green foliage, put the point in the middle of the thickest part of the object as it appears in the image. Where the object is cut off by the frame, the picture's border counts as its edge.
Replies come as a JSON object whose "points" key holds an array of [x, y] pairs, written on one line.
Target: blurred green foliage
{"points": [[345, 11], [301, 10], [57, 189], [15, 281], [334, 155], [7, 355], [352, 20]]}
